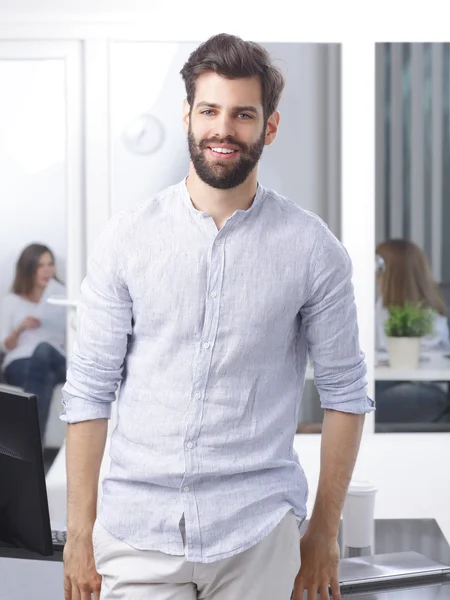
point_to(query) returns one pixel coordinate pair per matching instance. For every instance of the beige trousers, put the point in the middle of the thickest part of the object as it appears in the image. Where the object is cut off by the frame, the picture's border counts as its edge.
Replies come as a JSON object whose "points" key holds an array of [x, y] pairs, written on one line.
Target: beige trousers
{"points": [[264, 572]]}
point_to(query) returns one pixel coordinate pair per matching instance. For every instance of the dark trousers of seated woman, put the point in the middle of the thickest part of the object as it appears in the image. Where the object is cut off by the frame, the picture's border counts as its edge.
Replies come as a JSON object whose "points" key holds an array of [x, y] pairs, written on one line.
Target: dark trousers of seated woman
{"points": [[39, 375]]}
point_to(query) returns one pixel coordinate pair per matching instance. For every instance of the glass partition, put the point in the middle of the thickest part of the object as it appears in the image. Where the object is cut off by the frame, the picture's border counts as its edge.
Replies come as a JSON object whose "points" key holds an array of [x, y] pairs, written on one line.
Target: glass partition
{"points": [[412, 373]]}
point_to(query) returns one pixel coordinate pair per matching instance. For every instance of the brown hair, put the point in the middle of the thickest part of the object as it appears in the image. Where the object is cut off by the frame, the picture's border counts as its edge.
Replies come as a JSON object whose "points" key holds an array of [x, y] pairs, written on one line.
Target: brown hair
{"points": [[407, 276], [232, 57], [26, 268]]}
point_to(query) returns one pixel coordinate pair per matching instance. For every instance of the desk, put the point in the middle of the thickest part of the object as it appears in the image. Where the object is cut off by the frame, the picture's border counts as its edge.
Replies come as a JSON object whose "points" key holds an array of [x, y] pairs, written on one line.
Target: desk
{"points": [[434, 367], [22, 578]]}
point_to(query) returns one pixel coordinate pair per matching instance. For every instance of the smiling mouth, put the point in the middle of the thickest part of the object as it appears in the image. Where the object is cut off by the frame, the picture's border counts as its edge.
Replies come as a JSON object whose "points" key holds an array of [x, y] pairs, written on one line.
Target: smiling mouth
{"points": [[222, 153]]}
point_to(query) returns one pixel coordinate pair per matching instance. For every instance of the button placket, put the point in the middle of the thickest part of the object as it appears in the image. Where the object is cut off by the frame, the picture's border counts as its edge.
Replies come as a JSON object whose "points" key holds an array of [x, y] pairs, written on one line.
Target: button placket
{"points": [[200, 381]]}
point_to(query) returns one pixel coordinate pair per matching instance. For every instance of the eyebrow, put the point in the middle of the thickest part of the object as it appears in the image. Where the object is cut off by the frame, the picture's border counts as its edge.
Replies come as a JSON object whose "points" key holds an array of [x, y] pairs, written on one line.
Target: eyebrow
{"points": [[244, 108]]}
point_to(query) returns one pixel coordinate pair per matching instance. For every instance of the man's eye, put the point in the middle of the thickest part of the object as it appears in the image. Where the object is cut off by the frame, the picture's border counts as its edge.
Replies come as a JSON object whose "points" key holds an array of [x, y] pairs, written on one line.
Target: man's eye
{"points": [[207, 112], [244, 115]]}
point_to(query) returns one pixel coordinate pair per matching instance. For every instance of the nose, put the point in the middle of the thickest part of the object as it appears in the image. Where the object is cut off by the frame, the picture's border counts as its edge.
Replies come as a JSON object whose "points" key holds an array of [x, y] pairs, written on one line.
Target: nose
{"points": [[223, 126]]}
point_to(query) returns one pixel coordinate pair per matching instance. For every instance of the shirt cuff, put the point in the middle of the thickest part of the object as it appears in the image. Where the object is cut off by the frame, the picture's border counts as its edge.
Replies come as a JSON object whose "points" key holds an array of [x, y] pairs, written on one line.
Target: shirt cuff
{"points": [[76, 410], [357, 407]]}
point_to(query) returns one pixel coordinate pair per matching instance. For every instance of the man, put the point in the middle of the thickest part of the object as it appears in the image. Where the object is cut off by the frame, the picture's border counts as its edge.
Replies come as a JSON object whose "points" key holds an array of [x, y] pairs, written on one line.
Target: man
{"points": [[205, 302]]}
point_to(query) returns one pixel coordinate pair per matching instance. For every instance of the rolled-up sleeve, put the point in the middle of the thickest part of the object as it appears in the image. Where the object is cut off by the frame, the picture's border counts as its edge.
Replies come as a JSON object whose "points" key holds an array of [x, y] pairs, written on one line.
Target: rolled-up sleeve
{"points": [[329, 320], [104, 322]]}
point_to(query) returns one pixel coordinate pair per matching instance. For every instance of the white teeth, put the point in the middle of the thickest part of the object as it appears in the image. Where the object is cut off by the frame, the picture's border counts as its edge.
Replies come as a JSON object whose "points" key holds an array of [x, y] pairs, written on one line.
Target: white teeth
{"points": [[222, 150]]}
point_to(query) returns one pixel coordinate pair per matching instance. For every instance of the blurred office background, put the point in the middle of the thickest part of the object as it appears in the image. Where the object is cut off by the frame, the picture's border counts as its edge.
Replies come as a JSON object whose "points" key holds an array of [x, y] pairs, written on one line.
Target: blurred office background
{"points": [[413, 149], [412, 185], [82, 44]]}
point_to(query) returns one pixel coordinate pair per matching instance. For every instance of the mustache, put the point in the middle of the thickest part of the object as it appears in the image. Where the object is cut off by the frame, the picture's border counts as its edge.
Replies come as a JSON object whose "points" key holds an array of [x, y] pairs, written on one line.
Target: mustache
{"points": [[204, 144]]}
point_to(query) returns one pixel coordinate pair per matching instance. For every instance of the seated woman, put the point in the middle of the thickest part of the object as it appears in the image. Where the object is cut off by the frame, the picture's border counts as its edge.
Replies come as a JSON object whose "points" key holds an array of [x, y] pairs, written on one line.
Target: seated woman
{"points": [[32, 332], [407, 277]]}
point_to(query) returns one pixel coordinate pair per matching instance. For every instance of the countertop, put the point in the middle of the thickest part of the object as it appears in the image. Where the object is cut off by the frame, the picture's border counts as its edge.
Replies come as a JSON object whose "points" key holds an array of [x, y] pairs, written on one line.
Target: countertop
{"points": [[391, 535], [398, 535]]}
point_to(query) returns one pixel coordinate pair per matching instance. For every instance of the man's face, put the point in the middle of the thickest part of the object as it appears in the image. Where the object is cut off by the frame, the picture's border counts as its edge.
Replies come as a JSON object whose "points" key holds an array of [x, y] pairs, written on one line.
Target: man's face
{"points": [[226, 129]]}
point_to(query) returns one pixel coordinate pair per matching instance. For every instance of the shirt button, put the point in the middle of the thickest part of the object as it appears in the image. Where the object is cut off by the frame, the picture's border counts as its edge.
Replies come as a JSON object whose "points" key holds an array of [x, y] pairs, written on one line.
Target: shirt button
{"points": [[186, 488], [190, 445], [217, 242], [206, 345], [198, 395], [214, 294]]}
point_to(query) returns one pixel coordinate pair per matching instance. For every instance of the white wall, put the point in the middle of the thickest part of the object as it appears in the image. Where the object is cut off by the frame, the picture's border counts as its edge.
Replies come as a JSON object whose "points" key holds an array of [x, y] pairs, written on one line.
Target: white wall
{"points": [[28, 9], [412, 478]]}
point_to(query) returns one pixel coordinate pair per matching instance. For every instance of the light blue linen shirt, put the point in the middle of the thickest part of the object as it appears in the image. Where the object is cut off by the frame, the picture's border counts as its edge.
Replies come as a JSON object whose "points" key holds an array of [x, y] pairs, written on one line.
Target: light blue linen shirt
{"points": [[209, 333]]}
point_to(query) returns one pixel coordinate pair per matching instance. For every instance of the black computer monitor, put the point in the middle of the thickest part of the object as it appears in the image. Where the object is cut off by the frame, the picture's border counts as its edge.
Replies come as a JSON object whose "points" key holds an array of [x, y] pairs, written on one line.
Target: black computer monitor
{"points": [[24, 515]]}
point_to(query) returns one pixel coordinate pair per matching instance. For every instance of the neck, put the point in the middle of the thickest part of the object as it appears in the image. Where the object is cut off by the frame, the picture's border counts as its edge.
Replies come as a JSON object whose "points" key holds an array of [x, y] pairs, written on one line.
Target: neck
{"points": [[221, 204], [36, 294]]}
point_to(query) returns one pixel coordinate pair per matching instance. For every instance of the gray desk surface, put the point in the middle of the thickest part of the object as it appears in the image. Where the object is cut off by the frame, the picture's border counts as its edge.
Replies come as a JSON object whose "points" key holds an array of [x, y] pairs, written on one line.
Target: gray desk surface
{"points": [[398, 535], [22, 578], [422, 535], [431, 591], [22, 575]]}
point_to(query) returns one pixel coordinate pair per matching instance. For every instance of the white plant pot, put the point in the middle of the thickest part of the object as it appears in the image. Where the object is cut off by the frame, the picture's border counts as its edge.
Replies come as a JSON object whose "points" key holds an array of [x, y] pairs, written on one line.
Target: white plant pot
{"points": [[404, 352]]}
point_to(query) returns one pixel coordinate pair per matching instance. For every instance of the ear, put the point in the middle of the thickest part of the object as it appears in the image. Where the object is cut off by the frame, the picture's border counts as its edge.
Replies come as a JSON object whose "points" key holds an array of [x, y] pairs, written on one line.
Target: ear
{"points": [[186, 115], [272, 128]]}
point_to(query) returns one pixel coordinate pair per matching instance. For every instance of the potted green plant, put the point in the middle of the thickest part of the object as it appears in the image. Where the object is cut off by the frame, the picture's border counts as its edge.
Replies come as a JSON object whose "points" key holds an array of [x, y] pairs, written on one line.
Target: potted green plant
{"points": [[404, 327]]}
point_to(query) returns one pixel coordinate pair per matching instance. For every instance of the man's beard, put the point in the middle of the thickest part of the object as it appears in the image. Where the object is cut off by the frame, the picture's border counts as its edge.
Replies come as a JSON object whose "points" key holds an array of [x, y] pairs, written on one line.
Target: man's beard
{"points": [[224, 175]]}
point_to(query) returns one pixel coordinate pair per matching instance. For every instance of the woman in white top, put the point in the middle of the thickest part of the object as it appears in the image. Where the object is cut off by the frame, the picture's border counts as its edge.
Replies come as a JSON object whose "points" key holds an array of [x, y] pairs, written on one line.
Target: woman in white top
{"points": [[32, 332], [407, 277]]}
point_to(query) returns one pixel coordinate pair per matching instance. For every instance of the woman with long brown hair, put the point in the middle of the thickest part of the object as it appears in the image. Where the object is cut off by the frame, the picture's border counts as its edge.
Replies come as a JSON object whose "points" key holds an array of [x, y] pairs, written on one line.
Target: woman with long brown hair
{"points": [[32, 333], [407, 278]]}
